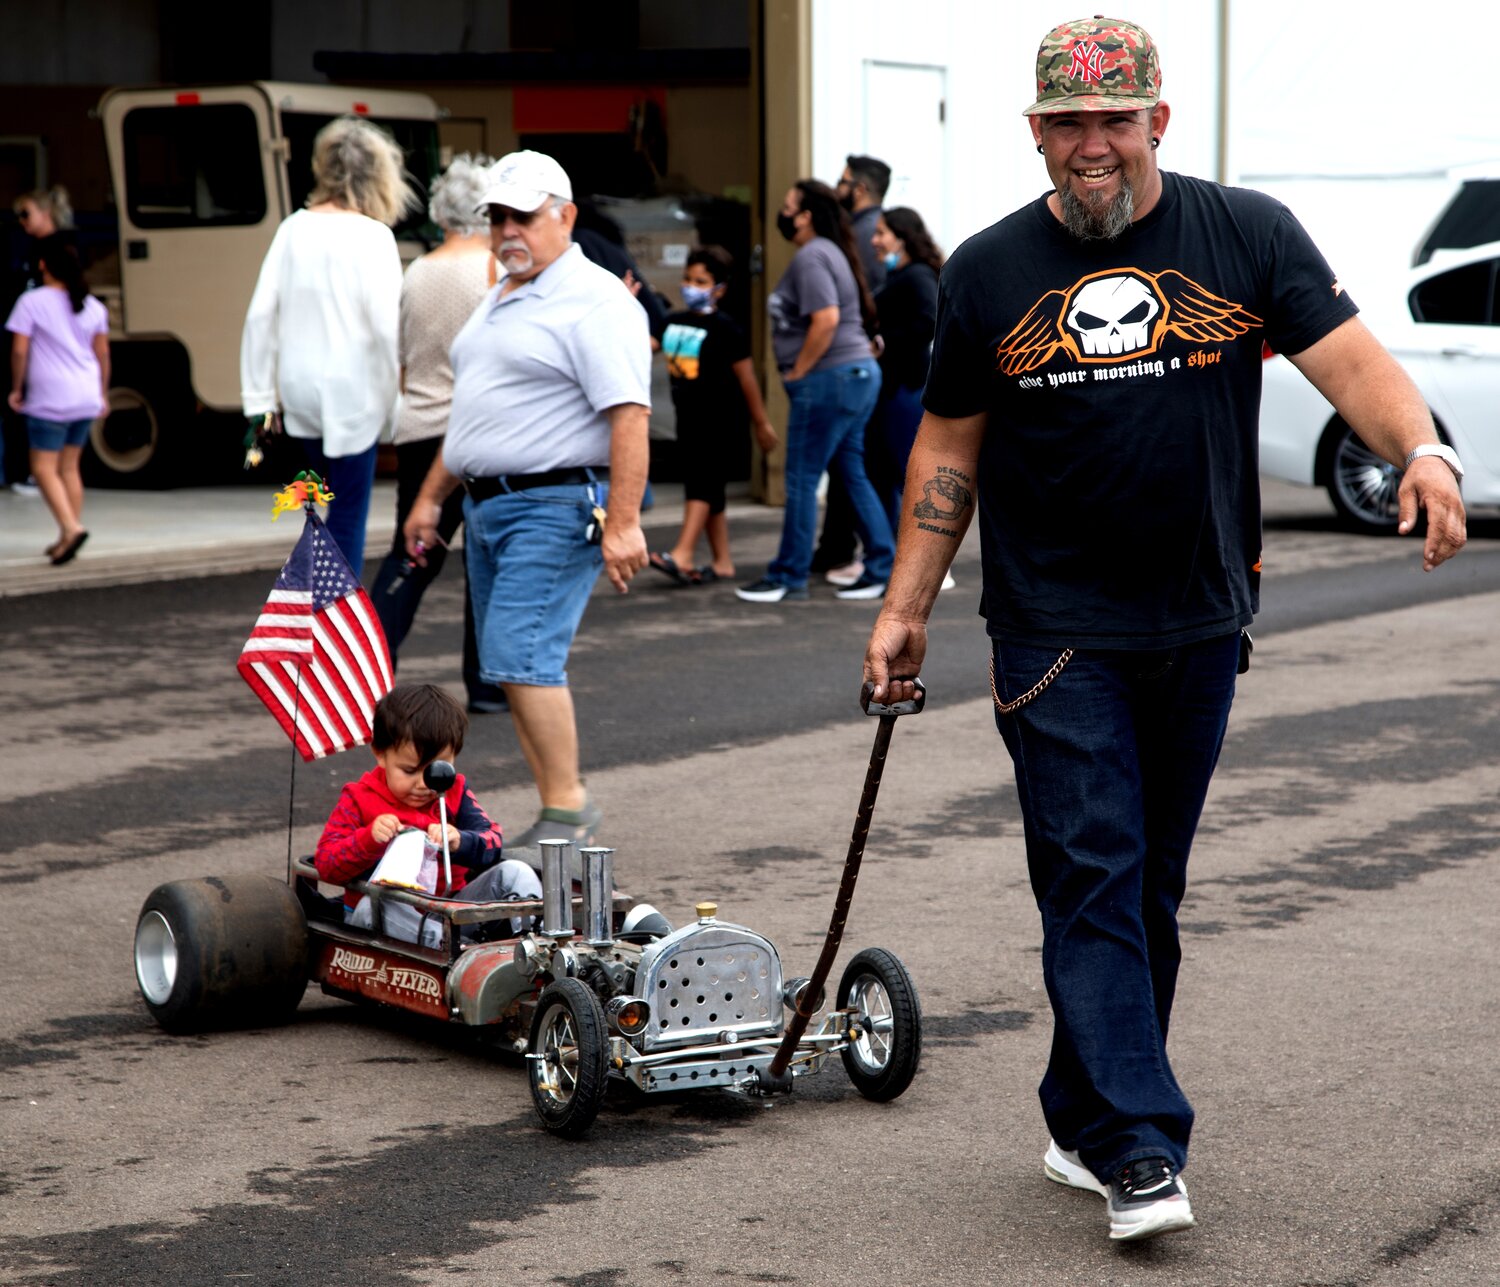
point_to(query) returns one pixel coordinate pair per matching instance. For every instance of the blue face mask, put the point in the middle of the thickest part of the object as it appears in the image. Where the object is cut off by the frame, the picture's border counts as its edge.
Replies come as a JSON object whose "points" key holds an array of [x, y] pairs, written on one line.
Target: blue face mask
{"points": [[892, 261], [698, 298]]}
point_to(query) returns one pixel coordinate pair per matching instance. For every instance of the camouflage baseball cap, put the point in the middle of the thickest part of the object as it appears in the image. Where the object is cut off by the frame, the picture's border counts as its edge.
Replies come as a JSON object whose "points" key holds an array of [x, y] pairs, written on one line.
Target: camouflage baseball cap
{"points": [[1096, 64]]}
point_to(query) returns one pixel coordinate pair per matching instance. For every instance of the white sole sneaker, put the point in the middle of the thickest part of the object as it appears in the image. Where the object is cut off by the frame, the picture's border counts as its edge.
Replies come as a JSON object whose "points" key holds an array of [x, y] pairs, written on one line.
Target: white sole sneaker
{"points": [[1171, 1214], [1064, 1167]]}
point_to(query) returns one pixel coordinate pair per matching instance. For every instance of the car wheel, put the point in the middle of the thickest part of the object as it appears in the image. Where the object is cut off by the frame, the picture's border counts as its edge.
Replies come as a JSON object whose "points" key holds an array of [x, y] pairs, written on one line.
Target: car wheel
{"points": [[1362, 485], [220, 953], [883, 1058], [567, 1060]]}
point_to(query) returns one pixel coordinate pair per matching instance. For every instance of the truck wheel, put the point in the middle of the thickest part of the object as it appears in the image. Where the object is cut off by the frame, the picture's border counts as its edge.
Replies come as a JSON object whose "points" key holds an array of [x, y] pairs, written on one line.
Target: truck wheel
{"points": [[883, 1059], [221, 953], [567, 1060], [140, 441]]}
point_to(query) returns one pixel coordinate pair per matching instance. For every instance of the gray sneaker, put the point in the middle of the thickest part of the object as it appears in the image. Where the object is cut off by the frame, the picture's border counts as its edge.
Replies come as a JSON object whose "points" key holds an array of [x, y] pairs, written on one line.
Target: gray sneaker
{"points": [[1066, 1167], [558, 824], [1147, 1197]]}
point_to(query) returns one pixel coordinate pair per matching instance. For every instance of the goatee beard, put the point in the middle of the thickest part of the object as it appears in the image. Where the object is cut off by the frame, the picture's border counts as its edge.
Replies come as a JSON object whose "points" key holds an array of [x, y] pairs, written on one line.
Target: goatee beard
{"points": [[1097, 220]]}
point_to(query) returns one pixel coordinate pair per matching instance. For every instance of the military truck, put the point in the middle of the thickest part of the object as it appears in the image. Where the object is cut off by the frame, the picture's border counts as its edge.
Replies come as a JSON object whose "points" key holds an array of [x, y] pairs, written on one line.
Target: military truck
{"points": [[202, 177]]}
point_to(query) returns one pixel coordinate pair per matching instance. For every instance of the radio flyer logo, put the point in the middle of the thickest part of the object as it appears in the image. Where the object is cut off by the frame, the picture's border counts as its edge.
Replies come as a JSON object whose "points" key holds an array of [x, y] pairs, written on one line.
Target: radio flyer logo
{"points": [[381, 973], [1120, 315]]}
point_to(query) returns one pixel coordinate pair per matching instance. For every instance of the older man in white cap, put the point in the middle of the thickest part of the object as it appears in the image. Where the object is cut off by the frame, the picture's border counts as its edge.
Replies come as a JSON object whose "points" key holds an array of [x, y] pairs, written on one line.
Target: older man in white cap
{"points": [[548, 437]]}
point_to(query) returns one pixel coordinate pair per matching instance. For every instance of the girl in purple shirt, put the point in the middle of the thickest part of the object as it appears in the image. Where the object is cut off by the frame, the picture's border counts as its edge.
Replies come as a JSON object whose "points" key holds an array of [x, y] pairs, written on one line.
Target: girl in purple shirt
{"points": [[59, 363]]}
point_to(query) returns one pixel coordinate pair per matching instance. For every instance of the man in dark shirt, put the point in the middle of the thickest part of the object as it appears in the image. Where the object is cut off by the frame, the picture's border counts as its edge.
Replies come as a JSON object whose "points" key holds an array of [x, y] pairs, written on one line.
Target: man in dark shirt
{"points": [[1095, 381]]}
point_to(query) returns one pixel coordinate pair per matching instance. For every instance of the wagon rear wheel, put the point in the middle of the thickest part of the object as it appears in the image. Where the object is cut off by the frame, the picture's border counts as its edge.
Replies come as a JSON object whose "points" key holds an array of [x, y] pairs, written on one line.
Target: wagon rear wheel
{"points": [[882, 1059], [220, 953], [567, 1059]]}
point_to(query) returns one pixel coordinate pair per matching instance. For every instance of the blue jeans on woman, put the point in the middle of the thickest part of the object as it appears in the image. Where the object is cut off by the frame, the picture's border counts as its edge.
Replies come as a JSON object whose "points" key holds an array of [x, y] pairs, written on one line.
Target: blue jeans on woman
{"points": [[1113, 762], [826, 430], [350, 479], [889, 438]]}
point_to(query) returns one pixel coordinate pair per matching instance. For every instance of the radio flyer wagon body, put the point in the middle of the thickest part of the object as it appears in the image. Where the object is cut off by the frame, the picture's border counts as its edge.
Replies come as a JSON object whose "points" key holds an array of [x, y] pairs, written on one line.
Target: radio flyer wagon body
{"points": [[602, 989]]}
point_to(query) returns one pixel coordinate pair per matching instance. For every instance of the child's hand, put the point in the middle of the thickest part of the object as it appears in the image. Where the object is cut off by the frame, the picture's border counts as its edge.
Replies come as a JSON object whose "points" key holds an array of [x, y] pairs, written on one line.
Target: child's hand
{"points": [[383, 830], [435, 834], [765, 436]]}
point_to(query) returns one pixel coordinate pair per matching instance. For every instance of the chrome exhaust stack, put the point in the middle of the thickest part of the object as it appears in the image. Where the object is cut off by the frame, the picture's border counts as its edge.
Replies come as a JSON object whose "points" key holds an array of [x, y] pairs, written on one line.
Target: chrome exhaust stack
{"points": [[598, 896], [557, 889]]}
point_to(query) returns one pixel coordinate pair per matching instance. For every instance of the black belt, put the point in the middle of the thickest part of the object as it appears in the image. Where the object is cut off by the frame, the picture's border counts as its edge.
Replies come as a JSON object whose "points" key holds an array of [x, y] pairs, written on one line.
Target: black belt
{"points": [[483, 488]]}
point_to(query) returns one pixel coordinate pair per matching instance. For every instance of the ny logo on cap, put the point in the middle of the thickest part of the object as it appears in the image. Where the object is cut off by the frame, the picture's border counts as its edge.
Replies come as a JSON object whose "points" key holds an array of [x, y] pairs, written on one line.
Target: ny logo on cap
{"points": [[1088, 63]]}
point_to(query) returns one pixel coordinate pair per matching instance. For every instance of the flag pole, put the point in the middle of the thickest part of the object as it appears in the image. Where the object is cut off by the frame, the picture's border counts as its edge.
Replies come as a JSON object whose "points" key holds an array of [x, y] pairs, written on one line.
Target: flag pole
{"points": [[291, 791]]}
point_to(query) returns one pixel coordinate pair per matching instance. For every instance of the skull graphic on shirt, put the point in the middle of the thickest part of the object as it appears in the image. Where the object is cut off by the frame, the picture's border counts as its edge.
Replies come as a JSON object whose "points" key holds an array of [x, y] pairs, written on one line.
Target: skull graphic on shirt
{"points": [[1113, 315]]}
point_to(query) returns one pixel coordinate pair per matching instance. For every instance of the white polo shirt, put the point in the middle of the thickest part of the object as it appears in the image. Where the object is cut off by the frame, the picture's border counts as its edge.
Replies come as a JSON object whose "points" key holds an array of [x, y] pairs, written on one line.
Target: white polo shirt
{"points": [[535, 370]]}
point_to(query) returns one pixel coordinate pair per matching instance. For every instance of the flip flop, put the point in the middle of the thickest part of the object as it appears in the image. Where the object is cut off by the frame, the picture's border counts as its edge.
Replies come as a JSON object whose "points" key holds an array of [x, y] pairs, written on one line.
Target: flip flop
{"points": [[69, 549], [667, 566], [704, 575]]}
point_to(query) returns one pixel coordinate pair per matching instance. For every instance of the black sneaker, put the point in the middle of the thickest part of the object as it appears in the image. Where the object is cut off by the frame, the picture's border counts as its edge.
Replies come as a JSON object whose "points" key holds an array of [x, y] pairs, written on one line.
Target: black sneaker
{"points": [[768, 591], [1146, 1197], [866, 587]]}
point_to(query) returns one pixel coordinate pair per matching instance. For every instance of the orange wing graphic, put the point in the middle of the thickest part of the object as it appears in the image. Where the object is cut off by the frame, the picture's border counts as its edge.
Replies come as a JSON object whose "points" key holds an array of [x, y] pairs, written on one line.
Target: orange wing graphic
{"points": [[1197, 314], [1036, 337]]}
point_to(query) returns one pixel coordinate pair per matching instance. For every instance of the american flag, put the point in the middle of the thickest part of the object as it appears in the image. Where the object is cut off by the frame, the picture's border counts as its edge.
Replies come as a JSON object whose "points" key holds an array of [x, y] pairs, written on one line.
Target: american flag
{"points": [[317, 656]]}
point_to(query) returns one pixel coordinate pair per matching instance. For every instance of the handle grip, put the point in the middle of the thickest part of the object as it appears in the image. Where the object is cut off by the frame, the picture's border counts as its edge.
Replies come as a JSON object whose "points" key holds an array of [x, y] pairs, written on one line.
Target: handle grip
{"points": [[913, 706]]}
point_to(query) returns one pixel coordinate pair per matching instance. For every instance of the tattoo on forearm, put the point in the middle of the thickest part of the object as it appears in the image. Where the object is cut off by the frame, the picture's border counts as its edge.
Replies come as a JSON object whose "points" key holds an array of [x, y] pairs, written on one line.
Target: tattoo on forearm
{"points": [[945, 497]]}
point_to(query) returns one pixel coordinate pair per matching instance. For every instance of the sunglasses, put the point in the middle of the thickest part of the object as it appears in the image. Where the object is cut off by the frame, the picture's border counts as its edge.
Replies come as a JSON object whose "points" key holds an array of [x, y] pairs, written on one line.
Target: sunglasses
{"points": [[521, 218]]}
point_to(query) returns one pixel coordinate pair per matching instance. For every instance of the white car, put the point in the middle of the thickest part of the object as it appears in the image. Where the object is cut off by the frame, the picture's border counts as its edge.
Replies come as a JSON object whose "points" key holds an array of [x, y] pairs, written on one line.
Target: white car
{"points": [[1451, 348]]}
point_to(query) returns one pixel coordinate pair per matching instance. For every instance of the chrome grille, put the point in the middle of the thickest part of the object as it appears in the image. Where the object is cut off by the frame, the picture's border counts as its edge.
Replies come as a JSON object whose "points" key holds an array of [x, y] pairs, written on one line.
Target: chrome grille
{"points": [[704, 980]]}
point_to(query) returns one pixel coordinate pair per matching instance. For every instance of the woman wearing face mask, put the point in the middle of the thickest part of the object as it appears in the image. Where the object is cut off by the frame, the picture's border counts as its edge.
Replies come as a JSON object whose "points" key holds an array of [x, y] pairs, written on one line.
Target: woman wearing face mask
{"points": [[822, 322], [908, 311]]}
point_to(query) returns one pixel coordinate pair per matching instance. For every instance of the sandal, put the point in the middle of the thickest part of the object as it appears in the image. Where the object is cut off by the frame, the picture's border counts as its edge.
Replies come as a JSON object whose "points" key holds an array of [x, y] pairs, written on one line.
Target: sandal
{"points": [[69, 548], [667, 566], [704, 575]]}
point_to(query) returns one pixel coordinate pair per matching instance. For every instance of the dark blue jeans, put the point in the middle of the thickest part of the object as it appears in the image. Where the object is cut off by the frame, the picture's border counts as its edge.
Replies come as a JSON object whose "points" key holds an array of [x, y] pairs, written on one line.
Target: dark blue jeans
{"points": [[826, 430], [350, 479], [1112, 764]]}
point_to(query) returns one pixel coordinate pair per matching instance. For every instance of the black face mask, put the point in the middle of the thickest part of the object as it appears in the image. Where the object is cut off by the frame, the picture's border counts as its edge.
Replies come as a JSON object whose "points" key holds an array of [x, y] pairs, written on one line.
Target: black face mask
{"points": [[847, 201], [786, 225]]}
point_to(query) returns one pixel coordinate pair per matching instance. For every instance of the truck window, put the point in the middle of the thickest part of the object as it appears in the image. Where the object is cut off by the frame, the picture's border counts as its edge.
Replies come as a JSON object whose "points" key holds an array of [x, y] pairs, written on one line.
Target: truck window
{"points": [[195, 166], [417, 139]]}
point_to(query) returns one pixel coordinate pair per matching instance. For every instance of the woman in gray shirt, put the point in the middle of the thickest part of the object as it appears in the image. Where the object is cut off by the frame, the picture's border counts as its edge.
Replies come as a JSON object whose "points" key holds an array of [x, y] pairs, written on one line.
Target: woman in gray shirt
{"points": [[823, 320]]}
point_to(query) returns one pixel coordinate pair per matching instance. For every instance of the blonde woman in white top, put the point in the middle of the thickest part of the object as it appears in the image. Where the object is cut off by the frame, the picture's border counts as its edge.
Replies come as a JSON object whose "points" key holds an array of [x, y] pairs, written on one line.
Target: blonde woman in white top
{"points": [[318, 352], [441, 290]]}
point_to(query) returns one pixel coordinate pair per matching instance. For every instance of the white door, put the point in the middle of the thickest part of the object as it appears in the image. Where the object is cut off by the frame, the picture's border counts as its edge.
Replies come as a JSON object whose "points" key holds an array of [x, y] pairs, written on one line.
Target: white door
{"points": [[905, 126]]}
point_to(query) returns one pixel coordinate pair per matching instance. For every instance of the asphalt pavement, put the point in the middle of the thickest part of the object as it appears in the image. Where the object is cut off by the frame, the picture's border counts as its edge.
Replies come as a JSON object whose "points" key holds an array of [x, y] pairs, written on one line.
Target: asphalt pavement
{"points": [[1335, 1021]]}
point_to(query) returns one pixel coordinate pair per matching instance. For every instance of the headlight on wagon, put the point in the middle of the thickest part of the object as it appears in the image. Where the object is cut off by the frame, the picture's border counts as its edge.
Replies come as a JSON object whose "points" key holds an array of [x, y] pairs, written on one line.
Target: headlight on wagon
{"points": [[627, 1015]]}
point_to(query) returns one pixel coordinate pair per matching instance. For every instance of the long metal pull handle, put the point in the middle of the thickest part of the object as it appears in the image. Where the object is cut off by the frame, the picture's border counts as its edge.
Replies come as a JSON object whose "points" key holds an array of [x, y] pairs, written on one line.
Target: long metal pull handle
{"points": [[809, 998]]}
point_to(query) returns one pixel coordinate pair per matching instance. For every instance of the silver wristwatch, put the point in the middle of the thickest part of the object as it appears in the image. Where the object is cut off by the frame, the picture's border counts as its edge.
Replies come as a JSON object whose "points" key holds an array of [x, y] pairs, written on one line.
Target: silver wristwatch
{"points": [[1447, 455]]}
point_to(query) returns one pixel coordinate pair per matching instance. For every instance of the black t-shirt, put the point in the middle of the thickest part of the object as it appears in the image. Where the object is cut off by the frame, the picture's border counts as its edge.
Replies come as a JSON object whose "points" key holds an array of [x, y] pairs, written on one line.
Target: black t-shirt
{"points": [[701, 350], [1119, 498], [907, 305]]}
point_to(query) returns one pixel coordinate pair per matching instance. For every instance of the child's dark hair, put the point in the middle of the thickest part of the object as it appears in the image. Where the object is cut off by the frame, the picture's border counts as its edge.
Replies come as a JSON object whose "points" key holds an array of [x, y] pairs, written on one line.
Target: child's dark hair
{"points": [[718, 261], [422, 714], [61, 260]]}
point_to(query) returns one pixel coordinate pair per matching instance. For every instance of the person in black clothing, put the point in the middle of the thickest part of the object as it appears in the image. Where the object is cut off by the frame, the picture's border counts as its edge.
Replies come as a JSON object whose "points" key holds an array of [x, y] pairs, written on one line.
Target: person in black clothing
{"points": [[1094, 398], [713, 389], [907, 305]]}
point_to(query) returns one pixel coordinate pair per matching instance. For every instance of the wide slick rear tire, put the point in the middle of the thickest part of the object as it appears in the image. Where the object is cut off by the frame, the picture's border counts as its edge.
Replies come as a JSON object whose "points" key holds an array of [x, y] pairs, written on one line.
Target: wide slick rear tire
{"points": [[883, 1059], [225, 952], [568, 1058]]}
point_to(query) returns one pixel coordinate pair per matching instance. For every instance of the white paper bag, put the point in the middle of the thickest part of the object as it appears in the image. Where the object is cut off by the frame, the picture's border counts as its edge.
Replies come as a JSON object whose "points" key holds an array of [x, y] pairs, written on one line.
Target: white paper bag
{"points": [[411, 861]]}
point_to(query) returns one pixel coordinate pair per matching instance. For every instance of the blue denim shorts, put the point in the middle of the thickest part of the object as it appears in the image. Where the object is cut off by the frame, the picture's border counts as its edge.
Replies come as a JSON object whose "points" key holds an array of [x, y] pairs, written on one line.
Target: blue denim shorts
{"points": [[54, 435], [531, 571]]}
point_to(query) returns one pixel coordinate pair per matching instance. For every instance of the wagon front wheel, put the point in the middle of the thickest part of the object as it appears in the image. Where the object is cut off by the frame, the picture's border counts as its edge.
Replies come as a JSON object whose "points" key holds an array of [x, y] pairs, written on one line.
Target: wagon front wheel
{"points": [[568, 1058], [882, 1055]]}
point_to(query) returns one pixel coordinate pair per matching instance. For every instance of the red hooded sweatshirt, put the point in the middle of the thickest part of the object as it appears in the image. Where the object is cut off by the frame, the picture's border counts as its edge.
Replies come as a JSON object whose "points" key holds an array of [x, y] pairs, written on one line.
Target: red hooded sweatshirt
{"points": [[348, 852]]}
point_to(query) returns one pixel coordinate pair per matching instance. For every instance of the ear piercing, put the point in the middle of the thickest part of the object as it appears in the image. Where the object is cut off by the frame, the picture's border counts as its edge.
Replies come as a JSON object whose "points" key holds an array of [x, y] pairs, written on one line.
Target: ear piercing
{"points": [[1039, 149], [1155, 142]]}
